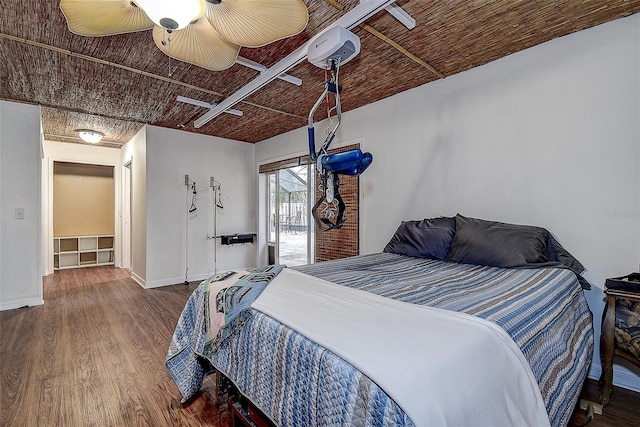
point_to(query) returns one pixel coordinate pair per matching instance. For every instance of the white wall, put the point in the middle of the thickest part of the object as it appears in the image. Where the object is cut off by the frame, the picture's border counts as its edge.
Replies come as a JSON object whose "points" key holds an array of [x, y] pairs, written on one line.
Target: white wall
{"points": [[135, 152], [170, 155], [77, 153], [20, 240], [549, 136]]}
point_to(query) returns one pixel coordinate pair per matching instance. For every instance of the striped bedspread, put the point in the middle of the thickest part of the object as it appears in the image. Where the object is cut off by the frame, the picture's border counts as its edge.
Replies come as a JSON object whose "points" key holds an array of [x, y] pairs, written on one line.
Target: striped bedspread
{"points": [[296, 382], [543, 310]]}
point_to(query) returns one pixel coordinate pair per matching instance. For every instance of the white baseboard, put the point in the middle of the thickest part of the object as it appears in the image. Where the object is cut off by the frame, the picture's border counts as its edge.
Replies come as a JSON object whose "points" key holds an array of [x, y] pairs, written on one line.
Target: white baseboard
{"points": [[139, 280], [621, 377], [200, 277], [150, 284], [20, 303]]}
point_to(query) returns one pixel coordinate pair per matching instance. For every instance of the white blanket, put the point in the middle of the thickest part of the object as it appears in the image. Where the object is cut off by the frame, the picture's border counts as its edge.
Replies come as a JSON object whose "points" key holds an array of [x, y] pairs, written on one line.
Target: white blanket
{"points": [[440, 367]]}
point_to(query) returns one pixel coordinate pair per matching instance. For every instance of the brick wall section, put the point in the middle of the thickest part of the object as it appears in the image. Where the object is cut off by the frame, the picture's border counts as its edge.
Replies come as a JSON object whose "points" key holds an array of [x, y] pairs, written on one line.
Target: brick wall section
{"points": [[342, 242]]}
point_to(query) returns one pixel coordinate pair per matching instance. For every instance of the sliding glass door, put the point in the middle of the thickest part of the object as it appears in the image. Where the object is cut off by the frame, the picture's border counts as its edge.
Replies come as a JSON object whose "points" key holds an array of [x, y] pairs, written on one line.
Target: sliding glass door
{"points": [[290, 229]]}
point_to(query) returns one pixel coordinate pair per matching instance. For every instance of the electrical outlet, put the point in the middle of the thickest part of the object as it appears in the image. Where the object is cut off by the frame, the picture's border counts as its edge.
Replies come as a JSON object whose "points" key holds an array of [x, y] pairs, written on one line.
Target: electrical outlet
{"points": [[186, 180], [19, 213], [212, 182]]}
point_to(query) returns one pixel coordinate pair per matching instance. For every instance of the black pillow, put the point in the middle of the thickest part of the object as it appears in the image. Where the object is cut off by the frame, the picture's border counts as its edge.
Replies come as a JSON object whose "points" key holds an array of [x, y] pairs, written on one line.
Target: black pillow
{"points": [[497, 244], [429, 238], [559, 254]]}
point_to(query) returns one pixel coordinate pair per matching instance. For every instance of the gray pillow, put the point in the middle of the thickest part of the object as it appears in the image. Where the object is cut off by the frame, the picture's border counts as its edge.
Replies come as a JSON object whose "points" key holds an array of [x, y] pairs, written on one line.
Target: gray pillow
{"points": [[561, 255], [497, 244], [428, 238]]}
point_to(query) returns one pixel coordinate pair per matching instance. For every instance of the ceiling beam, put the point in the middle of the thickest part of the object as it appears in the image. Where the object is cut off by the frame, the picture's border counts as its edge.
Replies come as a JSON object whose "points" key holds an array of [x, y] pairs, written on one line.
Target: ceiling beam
{"points": [[109, 63], [72, 110], [355, 16], [368, 28], [133, 70], [408, 22]]}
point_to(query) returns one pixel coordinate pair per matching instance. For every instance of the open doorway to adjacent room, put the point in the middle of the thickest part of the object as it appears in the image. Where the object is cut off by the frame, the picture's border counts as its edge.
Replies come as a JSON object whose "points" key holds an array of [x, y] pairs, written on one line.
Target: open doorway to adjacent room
{"points": [[83, 215]]}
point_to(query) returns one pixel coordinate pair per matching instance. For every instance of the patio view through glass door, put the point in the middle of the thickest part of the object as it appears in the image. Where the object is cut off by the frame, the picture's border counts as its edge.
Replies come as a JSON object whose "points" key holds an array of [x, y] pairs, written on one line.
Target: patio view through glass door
{"points": [[290, 231]]}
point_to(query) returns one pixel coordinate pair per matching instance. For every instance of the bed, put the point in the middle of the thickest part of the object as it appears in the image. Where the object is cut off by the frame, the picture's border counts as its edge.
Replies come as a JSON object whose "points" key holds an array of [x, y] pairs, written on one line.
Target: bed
{"points": [[447, 270]]}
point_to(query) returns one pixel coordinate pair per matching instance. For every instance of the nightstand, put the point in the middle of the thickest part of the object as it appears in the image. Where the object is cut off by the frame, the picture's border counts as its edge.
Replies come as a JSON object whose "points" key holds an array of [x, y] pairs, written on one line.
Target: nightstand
{"points": [[620, 334]]}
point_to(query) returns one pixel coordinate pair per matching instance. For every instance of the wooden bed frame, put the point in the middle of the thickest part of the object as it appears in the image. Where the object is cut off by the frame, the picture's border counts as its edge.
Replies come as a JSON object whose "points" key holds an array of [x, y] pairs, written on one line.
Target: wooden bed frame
{"points": [[243, 412]]}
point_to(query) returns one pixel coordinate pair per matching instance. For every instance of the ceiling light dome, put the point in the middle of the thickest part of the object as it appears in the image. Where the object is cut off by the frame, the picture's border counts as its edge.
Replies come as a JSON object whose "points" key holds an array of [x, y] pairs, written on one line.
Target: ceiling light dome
{"points": [[172, 14], [91, 136]]}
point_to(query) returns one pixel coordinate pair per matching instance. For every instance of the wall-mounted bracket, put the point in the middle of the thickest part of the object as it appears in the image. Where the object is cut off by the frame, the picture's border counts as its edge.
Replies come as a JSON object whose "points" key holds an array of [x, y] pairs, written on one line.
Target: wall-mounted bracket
{"points": [[233, 239]]}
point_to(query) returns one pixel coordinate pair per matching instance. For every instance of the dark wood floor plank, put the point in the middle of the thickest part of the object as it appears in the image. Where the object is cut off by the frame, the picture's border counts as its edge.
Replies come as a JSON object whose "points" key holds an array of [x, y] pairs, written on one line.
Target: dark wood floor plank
{"points": [[17, 371], [55, 358], [623, 409], [50, 412], [93, 355]]}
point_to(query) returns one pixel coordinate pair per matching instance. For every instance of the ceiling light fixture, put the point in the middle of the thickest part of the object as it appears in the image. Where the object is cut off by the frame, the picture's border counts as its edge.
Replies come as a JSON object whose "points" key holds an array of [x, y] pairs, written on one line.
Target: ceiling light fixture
{"points": [[171, 14], [91, 136]]}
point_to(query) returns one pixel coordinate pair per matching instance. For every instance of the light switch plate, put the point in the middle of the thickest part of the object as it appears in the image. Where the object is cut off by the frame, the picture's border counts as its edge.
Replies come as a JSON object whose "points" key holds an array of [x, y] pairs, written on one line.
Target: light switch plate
{"points": [[19, 213]]}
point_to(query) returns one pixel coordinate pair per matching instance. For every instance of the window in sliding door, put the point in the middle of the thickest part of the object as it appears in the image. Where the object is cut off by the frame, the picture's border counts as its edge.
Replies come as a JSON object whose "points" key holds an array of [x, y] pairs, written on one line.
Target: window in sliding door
{"points": [[290, 234]]}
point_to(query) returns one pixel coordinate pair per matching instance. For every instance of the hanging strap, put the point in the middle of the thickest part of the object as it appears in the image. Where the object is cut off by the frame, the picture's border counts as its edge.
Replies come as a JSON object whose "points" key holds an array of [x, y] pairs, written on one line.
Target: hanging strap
{"points": [[322, 222]]}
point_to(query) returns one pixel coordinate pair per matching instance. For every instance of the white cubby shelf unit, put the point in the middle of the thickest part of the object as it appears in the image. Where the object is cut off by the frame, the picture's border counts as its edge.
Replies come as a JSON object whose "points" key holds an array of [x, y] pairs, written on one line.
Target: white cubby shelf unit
{"points": [[82, 251]]}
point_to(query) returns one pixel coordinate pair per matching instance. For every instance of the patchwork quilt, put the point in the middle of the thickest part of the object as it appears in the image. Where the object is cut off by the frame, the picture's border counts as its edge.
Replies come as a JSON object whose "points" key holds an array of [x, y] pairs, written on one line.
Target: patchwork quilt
{"points": [[197, 336]]}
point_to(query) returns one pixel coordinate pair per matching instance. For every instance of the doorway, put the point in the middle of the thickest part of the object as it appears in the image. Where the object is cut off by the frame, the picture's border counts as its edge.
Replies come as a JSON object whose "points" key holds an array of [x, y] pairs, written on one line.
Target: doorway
{"points": [[83, 206], [290, 238], [127, 197]]}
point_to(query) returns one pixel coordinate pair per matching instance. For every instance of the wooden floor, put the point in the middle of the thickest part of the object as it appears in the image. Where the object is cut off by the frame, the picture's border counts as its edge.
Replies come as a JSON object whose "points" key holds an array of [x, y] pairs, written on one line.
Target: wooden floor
{"points": [[623, 409], [93, 355]]}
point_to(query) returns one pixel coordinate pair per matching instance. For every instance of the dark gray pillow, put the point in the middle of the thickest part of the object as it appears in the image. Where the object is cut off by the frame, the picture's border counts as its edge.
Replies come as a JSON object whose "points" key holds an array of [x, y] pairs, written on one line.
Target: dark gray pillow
{"points": [[497, 244], [429, 238], [559, 254]]}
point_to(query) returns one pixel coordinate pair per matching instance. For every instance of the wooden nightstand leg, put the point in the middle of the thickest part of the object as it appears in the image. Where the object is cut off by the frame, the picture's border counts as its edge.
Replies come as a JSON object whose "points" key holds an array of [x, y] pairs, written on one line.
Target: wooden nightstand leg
{"points": [[606, 349], [218, 378]]}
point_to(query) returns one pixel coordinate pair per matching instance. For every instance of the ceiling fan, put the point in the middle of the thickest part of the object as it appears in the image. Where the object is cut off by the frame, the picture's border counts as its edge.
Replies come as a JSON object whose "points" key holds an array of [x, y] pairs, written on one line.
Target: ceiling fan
{"points": [[207, 33]]}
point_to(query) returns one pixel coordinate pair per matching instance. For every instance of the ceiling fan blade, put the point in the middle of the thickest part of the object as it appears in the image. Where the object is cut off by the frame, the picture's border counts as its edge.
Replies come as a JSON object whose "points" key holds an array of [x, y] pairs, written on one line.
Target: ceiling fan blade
{"points": [[199, 44], [104, 17], [255, 23]]}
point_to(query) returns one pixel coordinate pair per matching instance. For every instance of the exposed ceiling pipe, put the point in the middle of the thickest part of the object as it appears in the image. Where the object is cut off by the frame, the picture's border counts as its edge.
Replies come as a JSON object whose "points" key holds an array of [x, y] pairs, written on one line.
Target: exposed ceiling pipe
{"points": [[355, 16]]}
